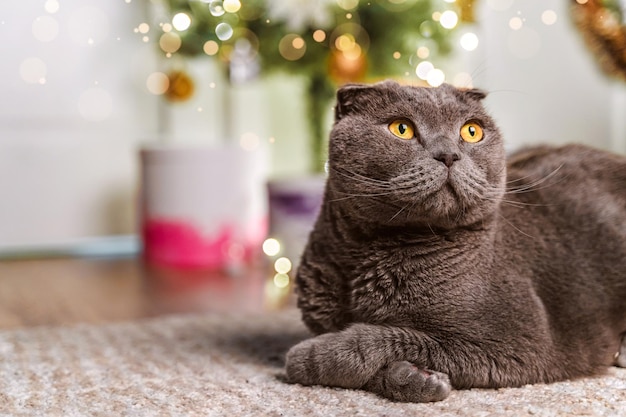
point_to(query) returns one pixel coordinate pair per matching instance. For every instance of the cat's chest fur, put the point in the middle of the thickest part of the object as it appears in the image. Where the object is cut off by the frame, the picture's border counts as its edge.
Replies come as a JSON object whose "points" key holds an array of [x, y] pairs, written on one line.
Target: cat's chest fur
{"points": [[412, 285]]}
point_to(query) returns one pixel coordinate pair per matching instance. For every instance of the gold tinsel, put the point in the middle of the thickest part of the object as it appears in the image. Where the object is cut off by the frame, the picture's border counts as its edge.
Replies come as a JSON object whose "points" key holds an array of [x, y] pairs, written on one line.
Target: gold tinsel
{"points": [[466, 7], [604, 34]]}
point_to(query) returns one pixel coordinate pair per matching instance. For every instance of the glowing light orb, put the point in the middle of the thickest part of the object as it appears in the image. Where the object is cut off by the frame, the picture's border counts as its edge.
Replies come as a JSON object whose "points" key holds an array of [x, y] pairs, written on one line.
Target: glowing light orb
{"points": [[281, 280], [449, 19], [51, 6], [210, 48], [223, 31], [292, 47], [319, 35], [271, 247], [33, 71], [143, 28], [181, 21], [249, 141], [549, 17], [423, 52], [282, 265], [516, 23], [216, 8], [436, 77], [232, 6], [45, 28], [157, 83], [423, 69], [469, 41], [170, 42]]}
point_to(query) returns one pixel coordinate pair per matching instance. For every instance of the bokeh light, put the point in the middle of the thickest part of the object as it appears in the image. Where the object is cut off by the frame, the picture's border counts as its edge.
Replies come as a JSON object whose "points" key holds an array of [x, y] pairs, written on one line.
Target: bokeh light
{"points": [[319, 35], [216, 8], [210, 48], [423, 69], [157, 83], [549, 17], [282, 265], [281, 280], [51, 6], [232, 6], [436, 77], [223, 31], [469, 41], [423, 52], [516, 23], [449, 19], [181, 21], [143, 28], [33, 71], [45, 28], [249, 141], [271, 247], [170, 42], [292, 47]]}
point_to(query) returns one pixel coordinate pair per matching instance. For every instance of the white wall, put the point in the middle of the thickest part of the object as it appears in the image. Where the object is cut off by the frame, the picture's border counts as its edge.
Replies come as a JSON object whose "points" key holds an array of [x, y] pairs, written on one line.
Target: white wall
{"points": [[73, 107], [545, 84]]}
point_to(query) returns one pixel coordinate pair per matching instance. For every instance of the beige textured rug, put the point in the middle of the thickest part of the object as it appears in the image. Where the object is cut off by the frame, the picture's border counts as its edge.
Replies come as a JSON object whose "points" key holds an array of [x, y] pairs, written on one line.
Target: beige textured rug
{"points": [[219, 365]]}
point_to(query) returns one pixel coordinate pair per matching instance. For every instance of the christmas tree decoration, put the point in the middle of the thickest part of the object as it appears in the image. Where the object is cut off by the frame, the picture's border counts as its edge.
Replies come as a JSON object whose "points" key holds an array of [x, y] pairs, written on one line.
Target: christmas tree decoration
{"points": [[331, 42], [603, 25], [181, 86]]}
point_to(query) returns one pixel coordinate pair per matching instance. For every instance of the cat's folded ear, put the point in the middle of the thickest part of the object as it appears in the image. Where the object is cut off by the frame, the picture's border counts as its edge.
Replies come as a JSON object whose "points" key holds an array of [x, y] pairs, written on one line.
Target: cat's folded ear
{"points": [[473, 93], [348, 96]]}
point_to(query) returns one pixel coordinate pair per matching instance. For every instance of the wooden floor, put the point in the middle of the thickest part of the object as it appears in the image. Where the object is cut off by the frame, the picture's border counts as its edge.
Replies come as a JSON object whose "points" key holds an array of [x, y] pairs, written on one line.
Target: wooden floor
{"points": [[68, 290]]}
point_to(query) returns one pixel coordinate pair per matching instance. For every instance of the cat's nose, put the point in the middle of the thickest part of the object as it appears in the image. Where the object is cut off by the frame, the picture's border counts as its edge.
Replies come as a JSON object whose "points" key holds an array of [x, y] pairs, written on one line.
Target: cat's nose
{"points": [[447, 158]]}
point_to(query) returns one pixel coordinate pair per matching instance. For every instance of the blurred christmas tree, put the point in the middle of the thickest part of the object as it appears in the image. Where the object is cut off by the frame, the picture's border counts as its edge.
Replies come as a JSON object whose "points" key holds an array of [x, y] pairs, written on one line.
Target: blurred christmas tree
{"points": [[331, 42]]}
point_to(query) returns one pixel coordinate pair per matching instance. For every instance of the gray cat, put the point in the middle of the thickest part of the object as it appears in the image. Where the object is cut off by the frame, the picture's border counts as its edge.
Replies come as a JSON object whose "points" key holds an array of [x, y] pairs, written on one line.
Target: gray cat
{"points": [[436, 264]]}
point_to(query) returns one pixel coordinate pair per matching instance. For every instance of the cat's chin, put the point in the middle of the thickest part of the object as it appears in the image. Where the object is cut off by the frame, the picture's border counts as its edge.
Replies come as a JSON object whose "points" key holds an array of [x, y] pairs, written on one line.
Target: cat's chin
{"points": [[451, 207]]}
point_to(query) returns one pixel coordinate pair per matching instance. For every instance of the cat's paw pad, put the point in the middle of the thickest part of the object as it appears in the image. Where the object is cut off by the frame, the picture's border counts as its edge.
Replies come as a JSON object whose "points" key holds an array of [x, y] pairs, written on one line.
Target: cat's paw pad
{"points": [[403, 381]]}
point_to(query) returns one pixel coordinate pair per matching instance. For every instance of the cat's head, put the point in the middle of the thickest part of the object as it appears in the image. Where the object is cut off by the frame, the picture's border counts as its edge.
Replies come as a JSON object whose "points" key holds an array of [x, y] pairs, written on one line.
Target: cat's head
{"points": [[404, 155]]}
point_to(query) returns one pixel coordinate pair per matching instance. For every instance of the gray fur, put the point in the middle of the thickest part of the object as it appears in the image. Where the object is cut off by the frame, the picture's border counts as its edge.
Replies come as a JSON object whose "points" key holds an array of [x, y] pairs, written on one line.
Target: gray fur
{"points": [[418, 277]]}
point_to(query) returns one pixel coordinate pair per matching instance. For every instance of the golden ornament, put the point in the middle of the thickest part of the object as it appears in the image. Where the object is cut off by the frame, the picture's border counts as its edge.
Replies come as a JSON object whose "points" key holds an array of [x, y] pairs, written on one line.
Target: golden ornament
{"points": [[181, 86]]}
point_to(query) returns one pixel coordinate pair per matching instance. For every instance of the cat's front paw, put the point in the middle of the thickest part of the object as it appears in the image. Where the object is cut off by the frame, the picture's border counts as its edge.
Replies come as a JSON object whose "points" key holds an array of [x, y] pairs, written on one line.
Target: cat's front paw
{"points": [[403, 381], [298, 364], [331, 359]]}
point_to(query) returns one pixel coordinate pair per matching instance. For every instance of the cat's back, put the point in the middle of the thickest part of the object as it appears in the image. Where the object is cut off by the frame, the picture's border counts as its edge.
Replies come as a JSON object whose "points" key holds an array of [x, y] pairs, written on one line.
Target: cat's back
{"points": [[576, 176], [574, 168], [565, 219]]}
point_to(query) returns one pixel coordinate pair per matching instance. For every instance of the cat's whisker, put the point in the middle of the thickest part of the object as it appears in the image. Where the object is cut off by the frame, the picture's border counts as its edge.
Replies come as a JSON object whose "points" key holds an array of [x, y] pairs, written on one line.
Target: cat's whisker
{"points": [[515, 227], [533, 186], [362, 178]]}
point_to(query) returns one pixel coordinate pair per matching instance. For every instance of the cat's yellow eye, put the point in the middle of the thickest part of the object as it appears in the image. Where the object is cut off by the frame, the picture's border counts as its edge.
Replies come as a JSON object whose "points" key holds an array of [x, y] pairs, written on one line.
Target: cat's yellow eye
{"points": [[402, 129], [471, 132]]}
